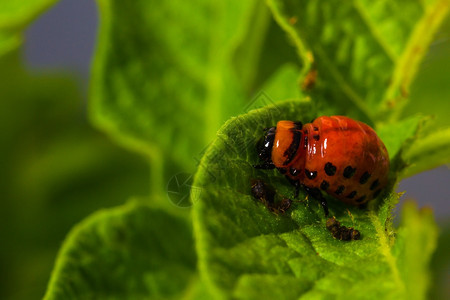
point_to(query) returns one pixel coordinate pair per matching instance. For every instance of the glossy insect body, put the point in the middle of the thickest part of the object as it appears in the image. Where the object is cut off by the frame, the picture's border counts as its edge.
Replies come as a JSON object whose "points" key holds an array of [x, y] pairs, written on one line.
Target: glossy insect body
{"points": [[338, 155]]}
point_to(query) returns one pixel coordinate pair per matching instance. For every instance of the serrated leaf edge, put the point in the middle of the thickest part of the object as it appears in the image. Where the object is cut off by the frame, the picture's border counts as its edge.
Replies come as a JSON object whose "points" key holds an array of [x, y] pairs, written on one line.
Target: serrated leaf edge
{"points": [[385, 249]]}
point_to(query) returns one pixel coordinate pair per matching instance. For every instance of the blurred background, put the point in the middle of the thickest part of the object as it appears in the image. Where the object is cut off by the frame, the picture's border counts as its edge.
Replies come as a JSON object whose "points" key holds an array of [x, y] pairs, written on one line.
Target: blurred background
{"points": [[57, 169]]}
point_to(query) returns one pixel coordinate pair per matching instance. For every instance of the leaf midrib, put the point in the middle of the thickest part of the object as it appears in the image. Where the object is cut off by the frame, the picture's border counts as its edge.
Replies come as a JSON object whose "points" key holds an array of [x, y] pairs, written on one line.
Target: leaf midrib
{"points": [[408, 64], [405, 65]]}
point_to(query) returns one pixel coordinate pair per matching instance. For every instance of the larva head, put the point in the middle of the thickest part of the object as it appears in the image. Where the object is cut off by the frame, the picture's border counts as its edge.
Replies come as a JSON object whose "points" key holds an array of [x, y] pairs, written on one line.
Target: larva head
{"points": [[265, 152], [287, 140]]}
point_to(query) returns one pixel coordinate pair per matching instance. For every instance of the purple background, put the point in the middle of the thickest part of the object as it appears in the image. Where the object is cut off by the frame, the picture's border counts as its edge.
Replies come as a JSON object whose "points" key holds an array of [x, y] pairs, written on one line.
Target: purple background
{"points": [[64, 39]]}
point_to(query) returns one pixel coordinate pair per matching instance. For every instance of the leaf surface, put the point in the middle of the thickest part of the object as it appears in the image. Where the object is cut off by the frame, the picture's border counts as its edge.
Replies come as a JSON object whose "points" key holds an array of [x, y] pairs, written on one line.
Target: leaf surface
{"points": [[430, 90], [245, 251], [55, 170], [133, 251], [431, 150], [365, 52], [162, 78]]}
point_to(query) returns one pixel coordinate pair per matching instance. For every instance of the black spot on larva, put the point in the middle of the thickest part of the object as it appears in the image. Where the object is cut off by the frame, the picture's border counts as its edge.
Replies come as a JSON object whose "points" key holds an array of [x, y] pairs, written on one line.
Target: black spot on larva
{"points": [[266, 146], [316, 128], [282, 170], [305, 145], [293, 171], [339, 190], [292, 150], [349, 171], [310, 174], [316, 137], [361, 199], [351, 195], [377, 193], [364, 177], [374, 185], [330, 169], [324, 185]]}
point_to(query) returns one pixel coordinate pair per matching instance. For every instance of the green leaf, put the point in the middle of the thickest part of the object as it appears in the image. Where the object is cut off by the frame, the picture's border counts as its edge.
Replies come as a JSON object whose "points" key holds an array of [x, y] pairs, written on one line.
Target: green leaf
{"points": [[263, 51], [365, 52], [130, 252], [14, 16], [408, 130], [439, 264], [245, 251], [249, 51], [390, 133], [15, 13], [416, 241], [283, 85], [421, 148], [9, 42], [430, 91], [55, 170], [429, 151], [162, 78]]}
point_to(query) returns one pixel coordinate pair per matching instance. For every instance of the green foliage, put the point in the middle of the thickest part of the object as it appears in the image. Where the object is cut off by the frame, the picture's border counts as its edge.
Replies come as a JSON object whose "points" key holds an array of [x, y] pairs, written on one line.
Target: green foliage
{"points": [[430, 90], [415, 242], [370, 60], [432, 150], [55, 170], [166, 75], [244, 254], [14, 16], [146, 252], [366, 52], [439, 265], [166, 92]]}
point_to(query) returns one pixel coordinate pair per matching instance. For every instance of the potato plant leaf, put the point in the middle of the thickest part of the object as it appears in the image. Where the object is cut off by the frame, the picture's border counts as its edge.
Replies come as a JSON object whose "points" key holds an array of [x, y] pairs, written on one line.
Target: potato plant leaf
{"points": [[429, 151], [133, 251], [164, 93], [365, 52], [430, 91], [247, 252], [416, 241], [162, 78]]}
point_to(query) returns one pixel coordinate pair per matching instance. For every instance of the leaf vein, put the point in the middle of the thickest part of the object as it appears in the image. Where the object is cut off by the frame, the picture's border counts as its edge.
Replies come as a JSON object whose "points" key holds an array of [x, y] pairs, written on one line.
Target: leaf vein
{"points": [[407, 67], [343, 84]]}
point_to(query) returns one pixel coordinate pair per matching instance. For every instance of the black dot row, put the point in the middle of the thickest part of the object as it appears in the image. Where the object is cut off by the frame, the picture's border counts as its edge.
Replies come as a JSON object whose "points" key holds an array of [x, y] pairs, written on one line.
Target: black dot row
{"points": [[349, 171], [325, 185], [330, 170]]}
